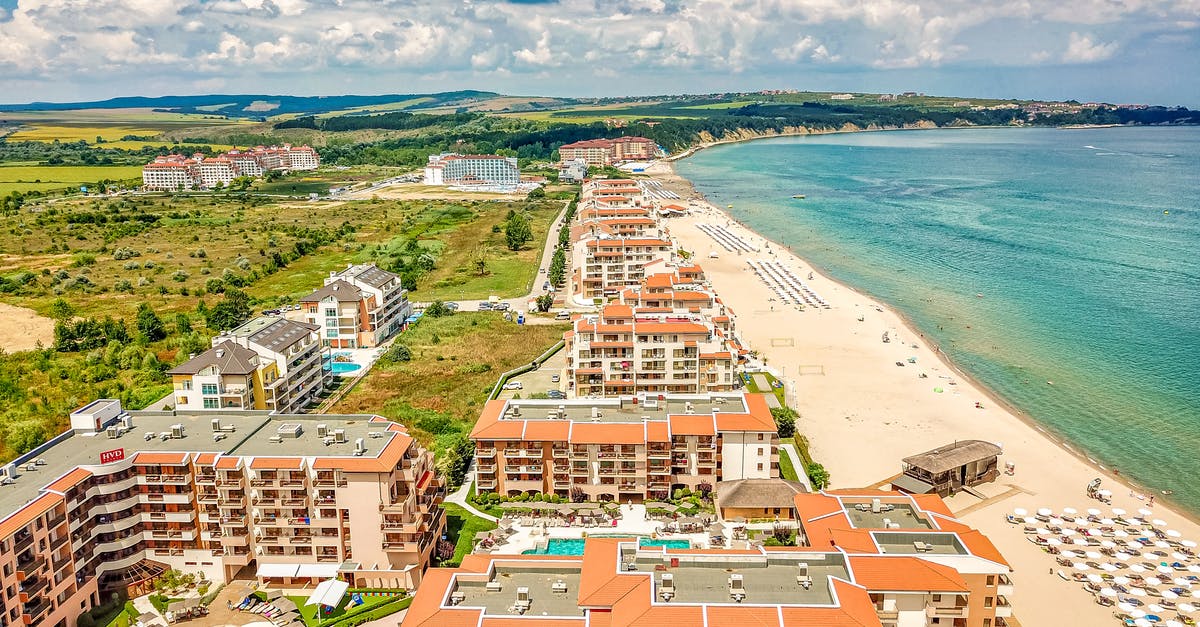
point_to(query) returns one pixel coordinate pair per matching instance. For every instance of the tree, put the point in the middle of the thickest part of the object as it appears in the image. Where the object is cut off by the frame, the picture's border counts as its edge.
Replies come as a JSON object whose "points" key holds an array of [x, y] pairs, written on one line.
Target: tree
{"points": [[183, 323], [233, 310], [399, 352], [517, 232], [704, 488], [24, 437], [545, 302], [817, 475], [782, 533], [578, 495], [150, 327], [61, 310], [457, 458], [785, 421], [445, 550], [536, 193], [438, 309]]}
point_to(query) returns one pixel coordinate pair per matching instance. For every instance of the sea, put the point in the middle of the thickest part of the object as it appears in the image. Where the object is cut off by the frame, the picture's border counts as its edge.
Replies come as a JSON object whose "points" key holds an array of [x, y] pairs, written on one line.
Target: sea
{"points": [[1059, 267]]}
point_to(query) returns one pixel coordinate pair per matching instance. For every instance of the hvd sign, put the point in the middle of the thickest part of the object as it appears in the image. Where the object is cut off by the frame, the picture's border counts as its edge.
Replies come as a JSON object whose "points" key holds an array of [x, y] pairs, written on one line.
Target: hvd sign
{"points": [[115, 455]]}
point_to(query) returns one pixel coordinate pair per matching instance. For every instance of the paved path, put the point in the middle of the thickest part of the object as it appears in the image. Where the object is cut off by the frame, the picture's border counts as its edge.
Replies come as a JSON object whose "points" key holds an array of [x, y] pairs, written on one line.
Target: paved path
{"points": [[459, 497], [801, 473]]}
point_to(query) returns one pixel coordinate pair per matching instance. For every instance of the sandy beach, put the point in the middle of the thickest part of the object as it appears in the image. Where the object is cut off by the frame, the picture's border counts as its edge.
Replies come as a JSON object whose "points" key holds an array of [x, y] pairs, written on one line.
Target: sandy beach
{"points": [[862, 413]]}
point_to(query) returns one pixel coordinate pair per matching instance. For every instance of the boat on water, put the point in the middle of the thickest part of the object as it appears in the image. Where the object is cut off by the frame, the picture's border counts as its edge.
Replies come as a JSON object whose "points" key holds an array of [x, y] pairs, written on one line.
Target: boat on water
{"points": [[798, 196]]}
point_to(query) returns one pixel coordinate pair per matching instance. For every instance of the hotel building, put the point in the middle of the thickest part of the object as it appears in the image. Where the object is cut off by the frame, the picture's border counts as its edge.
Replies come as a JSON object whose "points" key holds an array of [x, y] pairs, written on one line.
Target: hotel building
{"points": [[359, 307], [604, 266], [174, 172], [171, 173], [628, 349], [472, 170], [961, 581], [123, 496], [609, 151], [619, 449], [269, 363]]}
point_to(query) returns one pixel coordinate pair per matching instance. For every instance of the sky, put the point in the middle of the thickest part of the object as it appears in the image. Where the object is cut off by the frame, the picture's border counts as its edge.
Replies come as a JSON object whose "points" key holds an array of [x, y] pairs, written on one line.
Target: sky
{"points": [[1119, 51]]}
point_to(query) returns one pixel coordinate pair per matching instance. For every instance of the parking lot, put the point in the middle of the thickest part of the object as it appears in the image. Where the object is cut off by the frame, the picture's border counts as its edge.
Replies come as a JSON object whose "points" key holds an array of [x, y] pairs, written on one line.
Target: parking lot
{"points": [[540, 380]]}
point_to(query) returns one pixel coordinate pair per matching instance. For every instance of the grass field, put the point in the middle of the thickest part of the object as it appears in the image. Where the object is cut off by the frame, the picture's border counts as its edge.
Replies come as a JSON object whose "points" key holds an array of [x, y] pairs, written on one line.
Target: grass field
{"points": [[455, 362], [108, 124], [391, 106], [461, 527], [25, 178]]}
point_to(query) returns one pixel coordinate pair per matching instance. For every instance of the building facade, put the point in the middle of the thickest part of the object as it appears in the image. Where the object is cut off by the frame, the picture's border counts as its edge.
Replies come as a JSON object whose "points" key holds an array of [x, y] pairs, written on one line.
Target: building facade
{"points": [[359, 307], [177, 172], [102, 509], [472, 170], [619, 449], [600, 152], [171, 173], [269, 363]]}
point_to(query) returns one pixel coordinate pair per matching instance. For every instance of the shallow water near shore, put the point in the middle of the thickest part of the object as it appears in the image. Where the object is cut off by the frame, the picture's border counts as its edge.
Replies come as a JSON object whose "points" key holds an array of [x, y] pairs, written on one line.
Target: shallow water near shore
{"points": [[1059, 267]]}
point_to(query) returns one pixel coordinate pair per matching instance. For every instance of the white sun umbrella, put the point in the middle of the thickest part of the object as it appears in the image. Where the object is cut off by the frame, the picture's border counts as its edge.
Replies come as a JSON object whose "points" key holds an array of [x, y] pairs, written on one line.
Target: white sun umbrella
{"points": [[1106, 567], [1150, 556], [1145, 512], [1108, 544], [1137, 612], [1020, 511], [1183, 581], [1196, 593], [1125, 607], [1057, 522], [1120, 580], [1180, 556], [1166, 570], [1069, 532], [1173, 623], [1029, 520], [1108, 592], [1137, 592], [1094, 578], [1162, 545], [1191, 544], [1054, 542], [1080, 566], [1117, 511], [1158, 522], [1045, 511], [1168, 595], [1154, 581], [1194, 568], [1095, 532], [1138, 568], [1123, 556], [1171, 533], [1079, 542], [1094, 555], [1042, 531], [1134, 545], [1107, 521], [1155, 608], [1120, 534], [1092, 511], [1141, 622], [1070, 510], [1069, 554], [1186, 607]]}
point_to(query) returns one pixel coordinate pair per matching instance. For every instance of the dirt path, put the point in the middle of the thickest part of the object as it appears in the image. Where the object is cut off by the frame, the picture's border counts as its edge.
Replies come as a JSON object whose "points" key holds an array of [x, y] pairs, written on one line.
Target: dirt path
{"points": [[23, 329]]}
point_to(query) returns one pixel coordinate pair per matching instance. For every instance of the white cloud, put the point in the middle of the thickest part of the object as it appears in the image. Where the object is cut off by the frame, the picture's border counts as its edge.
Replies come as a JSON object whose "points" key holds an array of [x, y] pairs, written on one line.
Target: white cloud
{"points": [[1081, 49]]}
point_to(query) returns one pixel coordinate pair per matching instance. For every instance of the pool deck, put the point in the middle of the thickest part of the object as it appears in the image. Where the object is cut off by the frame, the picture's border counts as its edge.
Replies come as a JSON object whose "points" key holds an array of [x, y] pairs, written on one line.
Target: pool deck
{"points": [[364, 358], [633, 522]]}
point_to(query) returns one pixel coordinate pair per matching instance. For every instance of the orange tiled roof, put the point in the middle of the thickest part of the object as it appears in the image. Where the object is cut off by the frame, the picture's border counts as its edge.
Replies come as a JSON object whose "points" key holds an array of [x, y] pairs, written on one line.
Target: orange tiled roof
{"points": [[276, 463], [688, 424], [607, 433], [896, 573], [160, 459], [69, 480], [28, 513]]}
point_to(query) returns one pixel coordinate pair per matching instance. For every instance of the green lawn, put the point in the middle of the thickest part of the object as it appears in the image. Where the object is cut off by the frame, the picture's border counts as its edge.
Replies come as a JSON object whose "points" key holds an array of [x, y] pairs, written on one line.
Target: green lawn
{"points": [[47, 177], [786, 469], [461, 527], [779, 392]]}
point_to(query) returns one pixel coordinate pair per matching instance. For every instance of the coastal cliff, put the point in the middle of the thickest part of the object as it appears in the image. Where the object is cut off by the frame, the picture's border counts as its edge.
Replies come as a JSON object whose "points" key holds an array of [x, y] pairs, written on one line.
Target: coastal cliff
{"points": [[704, 139]]}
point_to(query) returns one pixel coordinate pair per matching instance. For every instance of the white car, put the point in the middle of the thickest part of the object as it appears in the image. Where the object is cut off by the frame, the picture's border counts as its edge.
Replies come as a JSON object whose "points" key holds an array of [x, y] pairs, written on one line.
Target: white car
{"points": [[513, 385]]}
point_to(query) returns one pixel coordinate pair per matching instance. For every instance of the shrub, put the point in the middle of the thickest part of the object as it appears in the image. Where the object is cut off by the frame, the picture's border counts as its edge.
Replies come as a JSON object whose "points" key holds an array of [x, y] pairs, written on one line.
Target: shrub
{"points": [[785, 421], [817, 475], [180, 276], [399, 352], [121, 254]]}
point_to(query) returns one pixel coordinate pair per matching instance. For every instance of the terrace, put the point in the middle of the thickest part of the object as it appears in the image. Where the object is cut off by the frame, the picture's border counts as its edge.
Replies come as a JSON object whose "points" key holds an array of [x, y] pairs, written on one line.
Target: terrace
{"points": [[553, 590], [623, 410], [890, 515]]}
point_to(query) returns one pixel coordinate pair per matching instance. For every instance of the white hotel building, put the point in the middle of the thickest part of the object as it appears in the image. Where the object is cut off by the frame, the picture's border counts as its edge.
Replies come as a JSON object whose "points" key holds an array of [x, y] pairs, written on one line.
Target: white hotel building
{"points": [[472, 170]]}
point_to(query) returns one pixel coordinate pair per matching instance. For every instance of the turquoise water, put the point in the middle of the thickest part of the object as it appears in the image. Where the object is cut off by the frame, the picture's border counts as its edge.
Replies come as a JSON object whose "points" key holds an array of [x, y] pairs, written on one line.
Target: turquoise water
{"points": [[1086, 281], [574, 546], [341, 367]]}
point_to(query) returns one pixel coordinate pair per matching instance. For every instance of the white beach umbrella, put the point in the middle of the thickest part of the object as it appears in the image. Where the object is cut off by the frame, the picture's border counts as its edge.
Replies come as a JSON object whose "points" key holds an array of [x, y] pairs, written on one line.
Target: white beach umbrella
{"points": [[1057, 522], [1094, 578], [1154, 581], [1141, 622], [1080, 566], [1107, 521], [1123, 556], [1134, 545], [1168, 595], [1079, 541], [1020, 512], [1196, 593], [1117, 511], [1092, 555], [1125, 607], [1158, 522], [1153, 557], [1069, 554], [1069, 532], [1042, 531], [1162, 545], [1138, 568], [1108, 544], [1045, 511], [1194, 568], [1173, 623], [1180, 556], [1121, 534], [1108, 592], [1166, 570], [1070, 511], [1186, 607], [1171, 533], [1094, 532], [1191, 544], [1183, 581], [1137, 592], [1155, 608], [1137, 612], [1054, 542], [1108, 567], [1029, 520], [1145, 512], [1120, 580]]}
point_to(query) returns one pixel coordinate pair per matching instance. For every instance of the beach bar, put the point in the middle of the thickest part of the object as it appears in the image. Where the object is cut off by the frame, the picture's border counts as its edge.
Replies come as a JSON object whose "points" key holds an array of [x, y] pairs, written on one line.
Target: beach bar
{"points": [[948, 469]]}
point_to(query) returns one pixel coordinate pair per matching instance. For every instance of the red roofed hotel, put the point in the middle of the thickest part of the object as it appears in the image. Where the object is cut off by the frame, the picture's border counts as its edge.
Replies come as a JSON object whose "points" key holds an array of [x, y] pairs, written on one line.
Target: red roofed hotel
{"points": [[924, 569], [609, 151], [619, 449], [123, 496]]}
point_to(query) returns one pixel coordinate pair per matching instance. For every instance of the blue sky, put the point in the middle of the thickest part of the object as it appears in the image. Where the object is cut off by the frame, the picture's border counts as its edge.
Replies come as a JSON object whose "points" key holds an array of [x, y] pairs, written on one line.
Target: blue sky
{"points": [[1110, 50]]}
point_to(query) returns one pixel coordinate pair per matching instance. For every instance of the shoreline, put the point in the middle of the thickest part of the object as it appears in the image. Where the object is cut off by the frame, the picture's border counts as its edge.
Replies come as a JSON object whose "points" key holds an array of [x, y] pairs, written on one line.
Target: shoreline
{"points": [[1111, 472], [862, 416]]}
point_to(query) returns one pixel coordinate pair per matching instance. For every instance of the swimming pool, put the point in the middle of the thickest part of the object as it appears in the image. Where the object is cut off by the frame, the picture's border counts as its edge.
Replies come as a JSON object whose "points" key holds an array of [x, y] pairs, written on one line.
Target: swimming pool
{"points": [[574, 546], [341, 367]]}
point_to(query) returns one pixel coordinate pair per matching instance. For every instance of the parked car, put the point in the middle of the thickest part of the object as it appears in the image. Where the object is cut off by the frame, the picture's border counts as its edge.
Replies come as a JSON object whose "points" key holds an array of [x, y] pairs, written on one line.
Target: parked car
{"points": [[555, 394], [546, 285], [513, 385], [500, 307], [485, 306], [452, 306], [562, 315], [554, 379]]}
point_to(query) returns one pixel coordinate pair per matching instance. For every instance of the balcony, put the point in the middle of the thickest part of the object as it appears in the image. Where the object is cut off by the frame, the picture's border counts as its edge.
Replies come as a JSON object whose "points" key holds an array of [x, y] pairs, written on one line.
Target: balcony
{"points": [[1005, 586], [1003, 607], [560, 452], [485, 453], [958, 610], [487, 468], [485, 484]]}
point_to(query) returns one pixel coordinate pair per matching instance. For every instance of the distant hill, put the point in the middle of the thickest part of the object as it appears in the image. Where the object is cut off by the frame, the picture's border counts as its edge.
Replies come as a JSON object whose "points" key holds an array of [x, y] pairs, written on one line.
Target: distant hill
{"points": [[258, 105]]}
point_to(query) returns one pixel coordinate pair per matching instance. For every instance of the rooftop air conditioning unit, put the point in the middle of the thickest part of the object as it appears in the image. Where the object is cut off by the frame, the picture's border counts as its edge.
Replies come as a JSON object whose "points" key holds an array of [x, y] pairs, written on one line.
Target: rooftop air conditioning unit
{"points": [[216, 425], [375, 434], [127, 422], [291, 430], [177, 431], [359, 447], [339, 436], [322, 430], [688, 408], [113, 432]]}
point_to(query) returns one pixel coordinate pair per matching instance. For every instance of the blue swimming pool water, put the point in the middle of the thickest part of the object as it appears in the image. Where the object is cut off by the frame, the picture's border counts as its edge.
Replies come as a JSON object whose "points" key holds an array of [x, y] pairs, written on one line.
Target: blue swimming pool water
{"points": [[341, 367], [574, 546]]}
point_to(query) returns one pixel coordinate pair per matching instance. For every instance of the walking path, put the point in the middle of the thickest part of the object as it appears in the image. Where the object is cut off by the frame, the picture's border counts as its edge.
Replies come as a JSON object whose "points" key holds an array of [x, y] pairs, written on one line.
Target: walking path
{"points": [[459, 497], [801, 472]]}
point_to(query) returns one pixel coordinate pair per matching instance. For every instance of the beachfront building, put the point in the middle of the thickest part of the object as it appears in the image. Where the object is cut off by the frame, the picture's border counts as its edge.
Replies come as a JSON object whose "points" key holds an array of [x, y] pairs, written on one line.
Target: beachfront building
{"points": [[844, 579], [268, 363], [604, 265], [171, 173], [359, 307], [758, 499], [601, 152], [125, 495], [948, 469], [572, 171], [638, 447], [626, 350], [472, 170], [920, 565]]}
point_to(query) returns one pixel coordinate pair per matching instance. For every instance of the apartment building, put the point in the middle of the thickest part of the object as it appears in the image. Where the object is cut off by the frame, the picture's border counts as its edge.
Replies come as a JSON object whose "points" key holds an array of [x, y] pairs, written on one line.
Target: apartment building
{"points": [[626, 350], [246, 163], [603, 266], [269, 363], [359, 307], [217, 170], [619, 449], [301, 158], [170, 173], [472, 170], [618, 583], [602, 152], [124, 496]]}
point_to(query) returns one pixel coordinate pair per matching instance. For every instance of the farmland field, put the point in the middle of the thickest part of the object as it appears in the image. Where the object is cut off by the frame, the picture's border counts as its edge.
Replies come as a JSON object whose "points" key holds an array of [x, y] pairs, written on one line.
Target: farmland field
{"points": [[110, 125], [26, 178]]}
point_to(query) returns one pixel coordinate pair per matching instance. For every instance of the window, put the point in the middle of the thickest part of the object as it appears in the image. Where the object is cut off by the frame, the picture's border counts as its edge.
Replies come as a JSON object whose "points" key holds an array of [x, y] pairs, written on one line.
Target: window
{"points": [[760, 467], [183, 400], [991, 580], [208, 388], [212, 403], [760, 451], [937, 598], [987, 622], [760, 437], [330, 313], [987, 601], [187, 385]]}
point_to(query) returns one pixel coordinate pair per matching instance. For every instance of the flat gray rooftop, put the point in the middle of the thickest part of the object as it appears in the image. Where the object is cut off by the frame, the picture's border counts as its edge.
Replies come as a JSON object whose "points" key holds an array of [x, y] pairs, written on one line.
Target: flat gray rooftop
{"points": [[252, 437], [770, 580], [539, 580], [904, 543], [624, 409], [902, 514]]}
